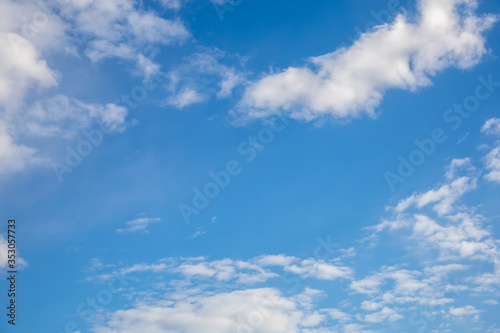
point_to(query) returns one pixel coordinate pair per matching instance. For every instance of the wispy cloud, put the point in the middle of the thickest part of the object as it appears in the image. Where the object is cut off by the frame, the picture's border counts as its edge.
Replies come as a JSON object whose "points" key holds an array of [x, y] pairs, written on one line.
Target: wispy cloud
{"points": [[204, 75], [455, 241], [197, 233], [138, 225]]}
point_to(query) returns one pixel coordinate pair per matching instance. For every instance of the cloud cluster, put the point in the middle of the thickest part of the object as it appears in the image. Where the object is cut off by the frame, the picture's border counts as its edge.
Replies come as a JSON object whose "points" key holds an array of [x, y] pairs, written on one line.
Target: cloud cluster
{"points": [[241, 272], [31, 32], [350, 81], [120, 28], [456, 232], [262, 310], [455, 256]]}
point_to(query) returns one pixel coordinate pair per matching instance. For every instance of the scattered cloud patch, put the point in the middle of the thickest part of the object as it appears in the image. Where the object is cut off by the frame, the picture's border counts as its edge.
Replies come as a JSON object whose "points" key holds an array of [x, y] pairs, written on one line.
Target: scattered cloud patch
{"points": [[468, 310]]}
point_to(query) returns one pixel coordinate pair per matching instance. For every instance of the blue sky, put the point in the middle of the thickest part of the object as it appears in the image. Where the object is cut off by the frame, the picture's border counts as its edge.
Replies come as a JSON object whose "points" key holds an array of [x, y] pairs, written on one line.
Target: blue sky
{"points": [[355, 147]]}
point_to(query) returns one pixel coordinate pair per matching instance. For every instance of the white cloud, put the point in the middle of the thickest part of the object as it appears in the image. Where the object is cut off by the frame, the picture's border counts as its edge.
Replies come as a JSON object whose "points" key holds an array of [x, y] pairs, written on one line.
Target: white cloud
{"points": [[198, 269], [13, 156], [185, 97], [112, 28], [139, 225], [320, 270], [449, 257], [56, 118], [458, 236], [64, 117], [368, 285], [336, 314], [21, 68], [443, 270], [488, 282], [96, 265], [491, 127], [386, 314], [457, 232], [37, 23], [154, 268], [147, 67], [3, 252], [464, 311], [370, 305], [220, 2], [405, 282], [4, 260], [203, 75], [446, 195], [263, 310], [492, 165], [492, 159], [466, 238], [401, 55], [31, 31], [491, 302], [172, 4], [245, 272], [239, 272], [119, 28], [275, 260], [197, 233]]}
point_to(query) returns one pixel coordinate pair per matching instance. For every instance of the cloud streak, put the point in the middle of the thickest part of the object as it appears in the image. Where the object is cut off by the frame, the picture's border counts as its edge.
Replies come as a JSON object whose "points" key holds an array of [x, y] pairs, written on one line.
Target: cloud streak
{"points": [[138, 225]]}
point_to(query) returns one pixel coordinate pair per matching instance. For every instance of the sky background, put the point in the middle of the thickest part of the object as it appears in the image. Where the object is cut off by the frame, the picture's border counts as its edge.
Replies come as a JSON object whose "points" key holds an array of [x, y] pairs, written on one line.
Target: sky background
{"points": [[313, 234]]}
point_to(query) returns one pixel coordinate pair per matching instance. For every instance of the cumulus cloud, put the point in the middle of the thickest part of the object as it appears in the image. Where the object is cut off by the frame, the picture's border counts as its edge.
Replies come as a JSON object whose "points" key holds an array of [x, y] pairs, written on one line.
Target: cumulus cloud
{"points": [[120, 28], [263, 310], [464, 311], [404, 54], [21, 68]]}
